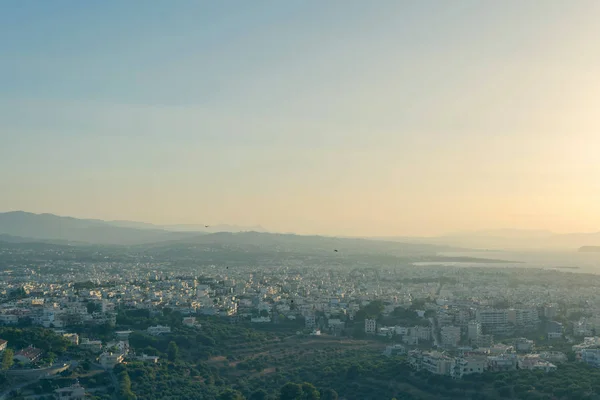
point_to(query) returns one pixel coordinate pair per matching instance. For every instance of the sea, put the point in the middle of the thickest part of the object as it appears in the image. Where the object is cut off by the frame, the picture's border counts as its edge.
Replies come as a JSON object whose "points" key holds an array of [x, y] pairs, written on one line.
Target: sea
{"points": [[568, 261]]}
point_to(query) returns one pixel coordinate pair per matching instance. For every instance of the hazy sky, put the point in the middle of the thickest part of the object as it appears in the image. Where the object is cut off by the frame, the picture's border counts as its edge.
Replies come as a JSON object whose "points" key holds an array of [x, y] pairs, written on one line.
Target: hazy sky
{"points": [[324, 116]]}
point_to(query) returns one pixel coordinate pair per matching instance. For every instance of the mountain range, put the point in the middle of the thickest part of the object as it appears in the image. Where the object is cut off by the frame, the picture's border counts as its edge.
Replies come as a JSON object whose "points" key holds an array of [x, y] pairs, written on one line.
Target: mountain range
{"points": [[509, 239], [20, 226]]}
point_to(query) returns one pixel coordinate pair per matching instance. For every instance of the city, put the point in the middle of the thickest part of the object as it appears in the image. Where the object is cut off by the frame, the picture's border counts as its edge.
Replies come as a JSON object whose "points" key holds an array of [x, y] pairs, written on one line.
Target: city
{"points": [[130, 307]]}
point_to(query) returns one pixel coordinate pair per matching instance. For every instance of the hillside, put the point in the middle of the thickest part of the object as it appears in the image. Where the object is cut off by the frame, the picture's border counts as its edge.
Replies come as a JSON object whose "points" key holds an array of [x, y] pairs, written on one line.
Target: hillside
{"points": [[49, 227], [589, 249]]}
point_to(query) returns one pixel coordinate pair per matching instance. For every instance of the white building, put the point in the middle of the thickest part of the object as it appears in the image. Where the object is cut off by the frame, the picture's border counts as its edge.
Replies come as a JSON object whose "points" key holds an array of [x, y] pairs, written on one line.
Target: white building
{"points": [[470, 365], [158, 330], [370, 326], [73, 392], [591, 357], [109, 360]]}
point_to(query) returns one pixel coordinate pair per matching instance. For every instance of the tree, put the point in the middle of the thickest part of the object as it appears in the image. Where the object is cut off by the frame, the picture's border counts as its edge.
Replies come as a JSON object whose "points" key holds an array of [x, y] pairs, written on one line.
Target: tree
{"points": [[260, 394], [172, 351], [231, 394], [309, 392], [290, 391], [7, 359], [329, 394]]}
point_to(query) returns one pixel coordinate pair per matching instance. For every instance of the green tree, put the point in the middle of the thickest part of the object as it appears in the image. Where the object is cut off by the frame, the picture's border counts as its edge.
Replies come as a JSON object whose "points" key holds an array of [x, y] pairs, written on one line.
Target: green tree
{"points": [[231, 394], [309, 392], [260, 394], [7, 359], [290, 391], [329, 394], [172, 351]]}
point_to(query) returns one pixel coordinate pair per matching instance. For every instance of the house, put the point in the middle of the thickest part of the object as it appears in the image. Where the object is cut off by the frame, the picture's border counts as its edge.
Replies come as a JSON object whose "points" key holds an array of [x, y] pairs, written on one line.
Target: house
{"points": [[470, 365], [72, 337], [591, 357], [503, 362], [28, 355], [109, 360], [534, 362], [73, 392], [123, 335], [396, 349], [191, 322], [146, 358], [524, 345], [3, 344], [260, 320], [437, 363], [92, 345], [158, 330]]}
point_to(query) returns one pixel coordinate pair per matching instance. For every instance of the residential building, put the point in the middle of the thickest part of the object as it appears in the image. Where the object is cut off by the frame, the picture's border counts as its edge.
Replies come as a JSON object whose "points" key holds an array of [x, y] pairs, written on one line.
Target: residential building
{"points": [[524, 345], [158, 330], [554, 330], [28, 355], [437, 363], [503, 362], [109, 360], [91, 345], [473, 330], [534, 362], [591, 356], [450, 336], [394, 350], [3, 344], [484, 341], [73, 392], [370, 326], [72, 337], [470, 365]]}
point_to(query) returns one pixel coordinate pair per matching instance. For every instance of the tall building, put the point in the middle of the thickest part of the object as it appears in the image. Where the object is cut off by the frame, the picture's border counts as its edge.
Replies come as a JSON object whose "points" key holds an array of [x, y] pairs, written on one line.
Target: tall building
{"points": [[370, 326], [473, 330]]}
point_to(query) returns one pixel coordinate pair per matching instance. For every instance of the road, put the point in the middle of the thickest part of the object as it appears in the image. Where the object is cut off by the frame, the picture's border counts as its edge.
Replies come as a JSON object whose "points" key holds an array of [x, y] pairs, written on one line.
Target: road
{"points": [[435, 334]]}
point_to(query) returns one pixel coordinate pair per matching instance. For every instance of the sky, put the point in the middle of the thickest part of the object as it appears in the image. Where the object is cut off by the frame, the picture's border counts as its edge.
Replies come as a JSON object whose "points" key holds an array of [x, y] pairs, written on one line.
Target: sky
{"points": [[341, 117]]}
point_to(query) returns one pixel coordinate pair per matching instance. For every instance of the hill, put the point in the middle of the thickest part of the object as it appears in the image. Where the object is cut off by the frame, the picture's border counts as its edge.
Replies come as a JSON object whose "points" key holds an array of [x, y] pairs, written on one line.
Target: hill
{"points": [[589, 249], [510, 239], [242, 247], [49, 227]]}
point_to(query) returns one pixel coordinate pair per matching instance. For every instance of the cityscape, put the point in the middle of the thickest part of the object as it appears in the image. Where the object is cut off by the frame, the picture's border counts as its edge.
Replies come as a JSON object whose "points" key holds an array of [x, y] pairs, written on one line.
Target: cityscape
{"points": [[76, 319], [299, 200]]}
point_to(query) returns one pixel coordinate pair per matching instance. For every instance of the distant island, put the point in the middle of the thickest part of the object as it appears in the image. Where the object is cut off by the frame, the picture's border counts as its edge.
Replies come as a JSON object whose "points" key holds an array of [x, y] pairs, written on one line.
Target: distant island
{"points": [[589, 249]]}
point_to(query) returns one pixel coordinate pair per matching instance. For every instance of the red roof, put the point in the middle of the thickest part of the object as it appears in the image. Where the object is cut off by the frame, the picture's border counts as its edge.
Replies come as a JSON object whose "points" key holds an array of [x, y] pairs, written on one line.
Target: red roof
{"points": [[30, 352]]}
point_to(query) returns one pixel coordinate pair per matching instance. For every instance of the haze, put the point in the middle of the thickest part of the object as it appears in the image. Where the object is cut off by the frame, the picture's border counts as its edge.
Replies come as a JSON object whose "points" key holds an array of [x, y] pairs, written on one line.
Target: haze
{"points": [[330, 117]]}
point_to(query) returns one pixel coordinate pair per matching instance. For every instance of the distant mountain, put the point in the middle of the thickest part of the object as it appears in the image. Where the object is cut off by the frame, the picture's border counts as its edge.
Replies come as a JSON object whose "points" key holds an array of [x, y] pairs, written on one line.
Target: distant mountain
{"points": [[188, 227], [50, 227], [589, 249], [272, 249], [510, 239], [213, 229]]}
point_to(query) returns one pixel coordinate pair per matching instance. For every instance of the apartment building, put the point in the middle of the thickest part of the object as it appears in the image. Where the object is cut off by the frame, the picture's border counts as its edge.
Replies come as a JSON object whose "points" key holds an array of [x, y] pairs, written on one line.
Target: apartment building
{"points": [[450, 336], [370, 326]]}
